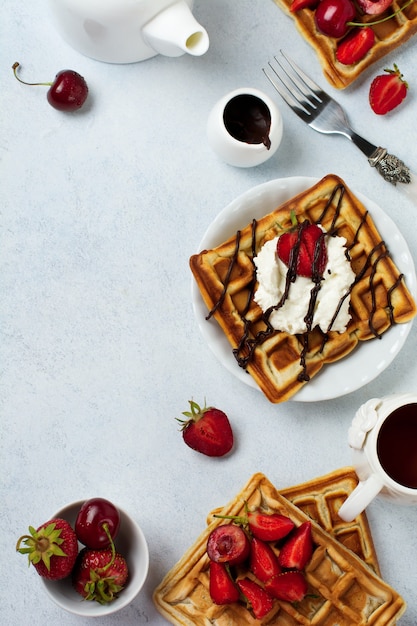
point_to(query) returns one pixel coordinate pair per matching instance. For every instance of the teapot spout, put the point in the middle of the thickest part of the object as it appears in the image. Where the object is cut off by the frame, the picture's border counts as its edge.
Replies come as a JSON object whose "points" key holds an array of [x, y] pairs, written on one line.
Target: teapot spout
{"points": [[175, 31]]}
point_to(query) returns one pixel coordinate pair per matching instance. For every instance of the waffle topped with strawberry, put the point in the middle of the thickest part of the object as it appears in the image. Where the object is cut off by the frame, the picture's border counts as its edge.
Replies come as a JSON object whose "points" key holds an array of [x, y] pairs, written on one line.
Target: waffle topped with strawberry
{"points": [[333, 586], [369, 44], [283, 361]]}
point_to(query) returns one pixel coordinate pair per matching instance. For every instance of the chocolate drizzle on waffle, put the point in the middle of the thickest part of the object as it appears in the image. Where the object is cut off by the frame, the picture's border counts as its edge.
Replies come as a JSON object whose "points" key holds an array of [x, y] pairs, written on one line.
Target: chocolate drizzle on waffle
{"points": [[280, 362], [249, 342]]}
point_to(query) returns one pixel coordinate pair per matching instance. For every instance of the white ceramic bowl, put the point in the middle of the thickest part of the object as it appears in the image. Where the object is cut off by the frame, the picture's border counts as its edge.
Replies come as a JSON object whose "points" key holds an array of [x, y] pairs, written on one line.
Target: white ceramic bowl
{"points": [[130, 542], [237, 152]]}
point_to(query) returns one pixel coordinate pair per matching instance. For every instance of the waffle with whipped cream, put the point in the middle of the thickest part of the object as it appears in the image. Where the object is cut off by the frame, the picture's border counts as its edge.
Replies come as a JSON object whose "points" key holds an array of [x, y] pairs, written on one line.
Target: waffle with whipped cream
{"points": [[282, 363], [388, 36], [343, 590]]}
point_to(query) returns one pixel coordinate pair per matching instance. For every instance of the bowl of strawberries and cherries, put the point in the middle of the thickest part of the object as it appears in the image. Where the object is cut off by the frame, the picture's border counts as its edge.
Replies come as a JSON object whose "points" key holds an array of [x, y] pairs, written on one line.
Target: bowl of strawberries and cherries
{"points": [[91, 556]]}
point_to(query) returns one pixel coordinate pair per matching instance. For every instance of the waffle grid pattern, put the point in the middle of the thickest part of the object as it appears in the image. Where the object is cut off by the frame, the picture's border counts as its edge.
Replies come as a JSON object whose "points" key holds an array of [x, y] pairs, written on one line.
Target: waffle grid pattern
{"points": [[388, 36], [343, 589], [275, 364]]}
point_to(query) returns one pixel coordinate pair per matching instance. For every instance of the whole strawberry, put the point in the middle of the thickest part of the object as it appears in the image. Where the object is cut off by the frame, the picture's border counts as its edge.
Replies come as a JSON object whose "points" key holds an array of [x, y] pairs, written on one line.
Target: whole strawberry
{"points": [[207, 430], [304, 250], [52, 549], [387, 91], [99, 575]]}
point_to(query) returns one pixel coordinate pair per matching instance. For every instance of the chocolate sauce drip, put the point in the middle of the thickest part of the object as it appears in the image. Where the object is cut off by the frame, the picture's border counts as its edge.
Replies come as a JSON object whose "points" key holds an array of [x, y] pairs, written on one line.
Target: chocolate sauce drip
{"points": [[356, 236], [341, 190], [227, 279], [247, 346], [389, 301], [303, 377]]}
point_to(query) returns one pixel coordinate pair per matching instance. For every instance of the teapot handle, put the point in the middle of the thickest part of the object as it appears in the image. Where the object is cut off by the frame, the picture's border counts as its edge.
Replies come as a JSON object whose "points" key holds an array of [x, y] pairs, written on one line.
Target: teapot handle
{"points": [[360, 497]]}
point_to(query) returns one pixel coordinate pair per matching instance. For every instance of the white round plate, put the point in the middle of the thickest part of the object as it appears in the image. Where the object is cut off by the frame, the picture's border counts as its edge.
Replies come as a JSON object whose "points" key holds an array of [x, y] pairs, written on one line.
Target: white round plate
{"points": [[371, 357]]}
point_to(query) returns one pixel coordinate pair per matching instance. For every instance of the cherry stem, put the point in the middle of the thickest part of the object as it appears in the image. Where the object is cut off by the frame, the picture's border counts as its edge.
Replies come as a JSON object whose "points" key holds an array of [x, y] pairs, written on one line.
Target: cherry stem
{"points": [[14, 68], [383, 19]]}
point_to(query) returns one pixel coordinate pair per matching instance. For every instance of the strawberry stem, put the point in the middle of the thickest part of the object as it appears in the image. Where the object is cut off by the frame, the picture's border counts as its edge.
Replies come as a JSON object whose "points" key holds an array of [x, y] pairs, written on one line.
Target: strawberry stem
{"points": [[41, 545], [14, 68], [383, 19], [239, 519], [112, 547]]}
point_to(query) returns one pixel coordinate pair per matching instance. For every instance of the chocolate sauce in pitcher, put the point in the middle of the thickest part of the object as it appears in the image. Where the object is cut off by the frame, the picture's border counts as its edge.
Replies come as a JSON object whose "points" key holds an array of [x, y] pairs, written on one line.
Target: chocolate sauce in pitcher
{"points": [[247, 118]]}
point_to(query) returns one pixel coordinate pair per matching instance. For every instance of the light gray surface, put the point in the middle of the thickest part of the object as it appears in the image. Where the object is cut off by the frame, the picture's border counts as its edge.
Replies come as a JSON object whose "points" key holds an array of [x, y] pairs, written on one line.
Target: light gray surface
{"points": [[100, 350]]}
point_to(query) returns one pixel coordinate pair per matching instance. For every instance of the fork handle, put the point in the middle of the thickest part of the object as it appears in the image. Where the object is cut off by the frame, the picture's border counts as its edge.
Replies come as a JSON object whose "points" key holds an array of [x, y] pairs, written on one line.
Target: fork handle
{"points": [[391, 168]]}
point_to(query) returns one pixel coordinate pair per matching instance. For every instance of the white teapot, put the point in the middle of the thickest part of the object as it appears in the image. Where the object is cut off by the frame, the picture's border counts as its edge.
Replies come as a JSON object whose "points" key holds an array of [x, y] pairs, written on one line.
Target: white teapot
{"points": [[127, 31]]}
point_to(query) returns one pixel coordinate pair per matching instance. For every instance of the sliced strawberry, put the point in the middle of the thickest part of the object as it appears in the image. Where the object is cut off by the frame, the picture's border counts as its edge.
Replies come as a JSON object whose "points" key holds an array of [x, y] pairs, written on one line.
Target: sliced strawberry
{"points": [[304, 250], [263, 560], [374, 7], [222, 588], [387, 91], [228, 544], [355, 45], [297, 550], [297, 5], [289, 586], [207, 430], [260, 601], [269, 527]]}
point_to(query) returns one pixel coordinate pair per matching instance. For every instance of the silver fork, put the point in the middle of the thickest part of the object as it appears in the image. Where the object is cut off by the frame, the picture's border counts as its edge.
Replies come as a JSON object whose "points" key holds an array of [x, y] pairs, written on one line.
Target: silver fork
{"points": [[315, 107]]}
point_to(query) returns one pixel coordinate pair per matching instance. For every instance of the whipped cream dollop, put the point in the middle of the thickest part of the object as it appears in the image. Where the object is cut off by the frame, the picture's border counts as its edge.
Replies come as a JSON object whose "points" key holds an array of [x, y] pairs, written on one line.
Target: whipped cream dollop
{"points": [[338, 277]]}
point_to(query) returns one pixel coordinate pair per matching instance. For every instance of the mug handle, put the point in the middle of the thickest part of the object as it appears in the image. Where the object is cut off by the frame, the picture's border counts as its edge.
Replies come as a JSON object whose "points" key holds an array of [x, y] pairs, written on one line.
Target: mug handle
{"points": [[360, 497]]}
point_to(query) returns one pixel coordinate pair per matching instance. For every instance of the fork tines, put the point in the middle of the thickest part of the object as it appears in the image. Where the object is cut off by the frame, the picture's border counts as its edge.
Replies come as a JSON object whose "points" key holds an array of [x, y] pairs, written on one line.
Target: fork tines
{"points": [[299, 91]]}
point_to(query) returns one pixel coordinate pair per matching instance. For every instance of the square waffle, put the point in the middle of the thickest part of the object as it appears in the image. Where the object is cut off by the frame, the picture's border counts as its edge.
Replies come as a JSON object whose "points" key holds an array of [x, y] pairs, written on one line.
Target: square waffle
{"points": [[279, 362], [343, 590], [320, 499], [388, 36]]}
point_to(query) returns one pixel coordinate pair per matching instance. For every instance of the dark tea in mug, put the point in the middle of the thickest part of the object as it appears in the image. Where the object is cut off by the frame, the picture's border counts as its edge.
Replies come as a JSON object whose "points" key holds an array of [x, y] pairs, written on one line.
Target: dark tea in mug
{"points": [[397, 445]]}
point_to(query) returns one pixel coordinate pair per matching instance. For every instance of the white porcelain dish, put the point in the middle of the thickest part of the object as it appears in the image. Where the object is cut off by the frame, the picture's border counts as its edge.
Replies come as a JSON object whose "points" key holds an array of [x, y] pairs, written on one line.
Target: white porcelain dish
{"points": [[370, 358], [130, 542]]}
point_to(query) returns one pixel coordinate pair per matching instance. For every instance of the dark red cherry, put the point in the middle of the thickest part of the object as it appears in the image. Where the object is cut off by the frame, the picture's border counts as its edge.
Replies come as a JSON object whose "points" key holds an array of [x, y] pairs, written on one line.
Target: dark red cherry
{"points": [[228, 544], [332, 17], [67, 92], [96, 518]]}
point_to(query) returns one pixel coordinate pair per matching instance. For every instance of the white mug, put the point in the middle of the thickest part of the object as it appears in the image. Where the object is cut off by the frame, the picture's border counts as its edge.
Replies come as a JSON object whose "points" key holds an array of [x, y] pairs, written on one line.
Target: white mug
{"points": [[383, 439]]}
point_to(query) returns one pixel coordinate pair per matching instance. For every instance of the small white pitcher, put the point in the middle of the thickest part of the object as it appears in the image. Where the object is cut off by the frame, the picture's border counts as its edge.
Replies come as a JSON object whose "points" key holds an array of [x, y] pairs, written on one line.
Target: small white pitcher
{"points": [[383, 439], [244, 128]]}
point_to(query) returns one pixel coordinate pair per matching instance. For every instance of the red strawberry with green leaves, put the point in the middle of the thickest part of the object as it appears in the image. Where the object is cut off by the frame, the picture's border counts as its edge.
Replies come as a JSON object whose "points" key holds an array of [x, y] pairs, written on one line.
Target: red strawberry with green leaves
{"points": [[221, 586], [263, 561], [288, 586], [303, 250], [387, 91], [355, 45], [100, 575], [52, 549], [298, 548], [258, 599], [207, 430]]}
